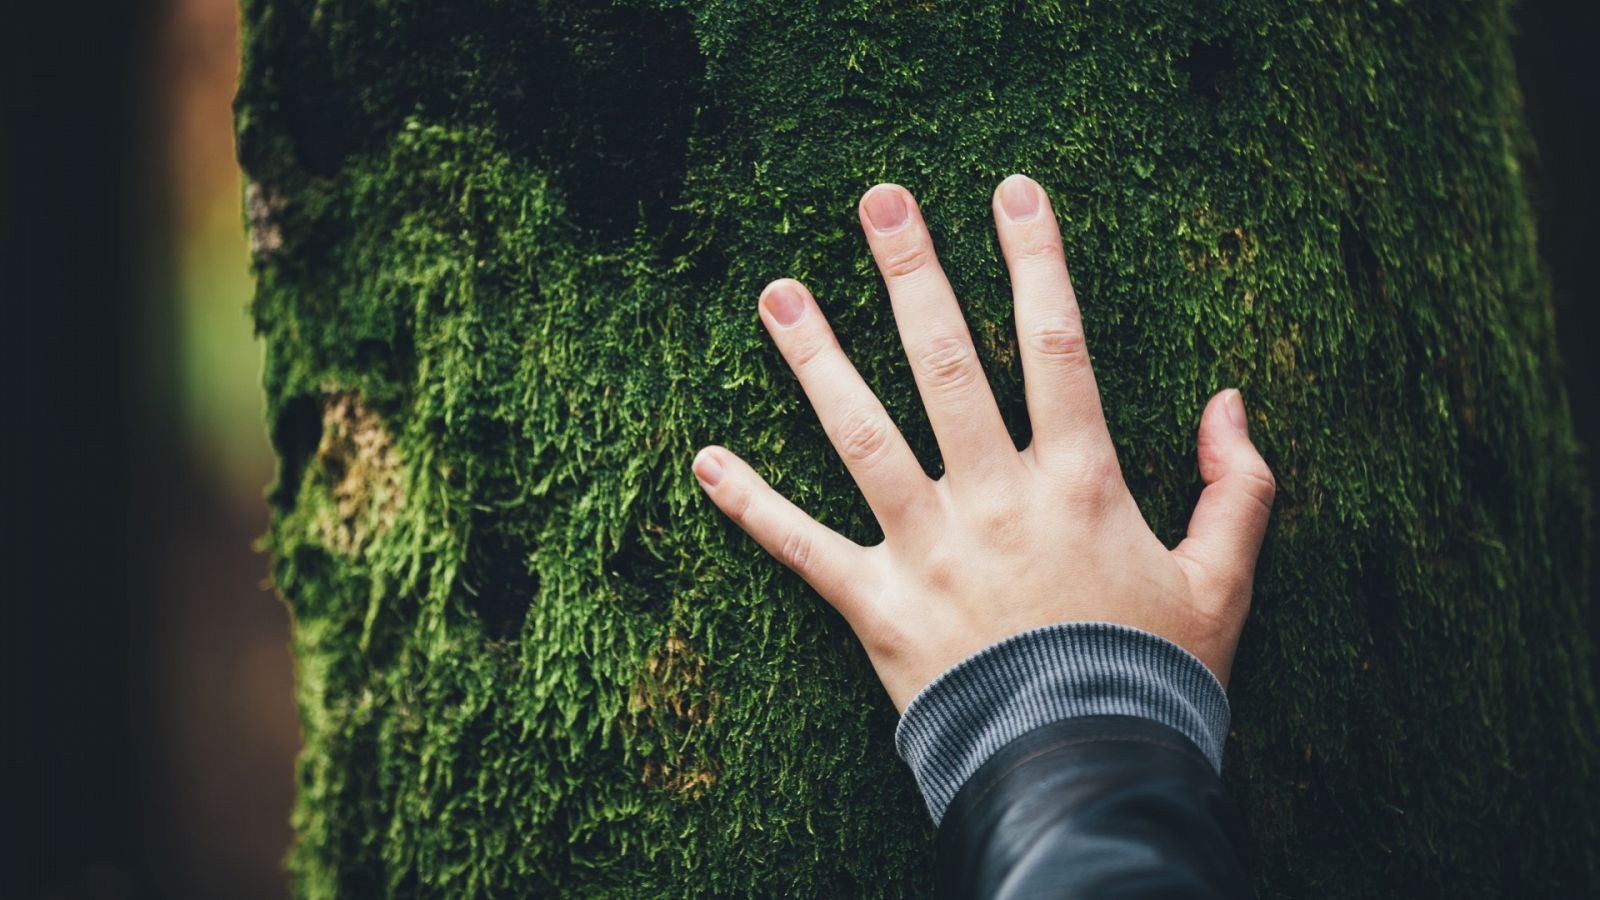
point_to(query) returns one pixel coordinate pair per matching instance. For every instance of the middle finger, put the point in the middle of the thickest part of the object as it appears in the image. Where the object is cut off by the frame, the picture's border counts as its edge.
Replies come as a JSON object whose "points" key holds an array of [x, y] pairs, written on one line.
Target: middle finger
{"points": [[966, 422]]}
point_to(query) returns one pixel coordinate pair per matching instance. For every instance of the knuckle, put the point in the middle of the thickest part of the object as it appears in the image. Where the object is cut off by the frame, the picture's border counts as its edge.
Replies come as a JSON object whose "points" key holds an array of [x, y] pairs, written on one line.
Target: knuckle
{"points": [[907, 260], [1260, 484], [1040, 244], [1001, 525], [795, 550], [740, 504], [1093, 482], [862, 436], [806, 350], [1103, 470], [1059, 340], [942, 571], [885, 638], [949, 362]]}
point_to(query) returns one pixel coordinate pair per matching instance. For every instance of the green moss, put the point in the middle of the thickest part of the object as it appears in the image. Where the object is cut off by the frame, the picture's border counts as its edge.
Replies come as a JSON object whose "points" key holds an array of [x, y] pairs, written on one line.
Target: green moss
{"points": [[507, 280]]}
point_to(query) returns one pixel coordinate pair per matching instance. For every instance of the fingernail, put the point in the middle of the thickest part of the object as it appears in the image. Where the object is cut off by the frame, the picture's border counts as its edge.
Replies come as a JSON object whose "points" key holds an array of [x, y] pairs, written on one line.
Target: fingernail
{"points": [[707, 469], [1235, 405], [886, 209], [1019, 197], [784, 303]]}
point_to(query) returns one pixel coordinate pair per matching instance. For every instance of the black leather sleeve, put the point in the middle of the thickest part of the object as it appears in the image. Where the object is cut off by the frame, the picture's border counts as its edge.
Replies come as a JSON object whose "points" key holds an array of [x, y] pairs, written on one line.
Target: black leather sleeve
{"points": [[1093, 806]]}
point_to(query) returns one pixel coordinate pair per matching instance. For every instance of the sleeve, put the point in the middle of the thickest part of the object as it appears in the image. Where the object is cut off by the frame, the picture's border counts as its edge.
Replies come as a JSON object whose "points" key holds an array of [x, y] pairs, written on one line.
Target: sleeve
{"points": [[1077, 759]]}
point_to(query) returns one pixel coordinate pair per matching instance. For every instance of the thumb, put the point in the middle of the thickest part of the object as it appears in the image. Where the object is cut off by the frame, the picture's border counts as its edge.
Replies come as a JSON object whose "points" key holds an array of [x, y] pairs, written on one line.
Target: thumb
{"points": [[1229, 521]]}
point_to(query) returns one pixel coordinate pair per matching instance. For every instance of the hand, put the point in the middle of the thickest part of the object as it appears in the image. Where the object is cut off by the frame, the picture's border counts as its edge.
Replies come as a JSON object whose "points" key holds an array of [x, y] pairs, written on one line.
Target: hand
{"points": [[1003, 541]]}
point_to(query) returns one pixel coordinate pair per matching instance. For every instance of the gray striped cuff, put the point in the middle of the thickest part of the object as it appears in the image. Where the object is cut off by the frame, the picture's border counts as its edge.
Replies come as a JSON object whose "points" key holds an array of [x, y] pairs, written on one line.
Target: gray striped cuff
{"points": [[1046, 674]]}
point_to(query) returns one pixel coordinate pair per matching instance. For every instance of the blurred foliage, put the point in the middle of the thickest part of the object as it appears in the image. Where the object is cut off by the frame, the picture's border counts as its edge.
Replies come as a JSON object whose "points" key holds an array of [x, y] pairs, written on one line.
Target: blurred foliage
{"points": [[218, 364], [220, 361]]}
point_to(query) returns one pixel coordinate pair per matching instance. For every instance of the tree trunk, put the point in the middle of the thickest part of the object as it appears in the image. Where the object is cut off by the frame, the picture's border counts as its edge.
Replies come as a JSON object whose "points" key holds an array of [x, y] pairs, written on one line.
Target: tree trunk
{"points": [[508, 260]]}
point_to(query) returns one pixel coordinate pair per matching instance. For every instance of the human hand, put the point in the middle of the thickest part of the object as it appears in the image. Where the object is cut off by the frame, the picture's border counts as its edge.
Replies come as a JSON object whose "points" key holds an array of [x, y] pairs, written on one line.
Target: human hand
{"points": [[1003, 541]]}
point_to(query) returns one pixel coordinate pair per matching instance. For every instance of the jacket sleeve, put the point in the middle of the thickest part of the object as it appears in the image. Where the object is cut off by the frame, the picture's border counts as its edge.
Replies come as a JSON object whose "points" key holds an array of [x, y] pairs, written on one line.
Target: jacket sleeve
{"points": [[1077, 760]]}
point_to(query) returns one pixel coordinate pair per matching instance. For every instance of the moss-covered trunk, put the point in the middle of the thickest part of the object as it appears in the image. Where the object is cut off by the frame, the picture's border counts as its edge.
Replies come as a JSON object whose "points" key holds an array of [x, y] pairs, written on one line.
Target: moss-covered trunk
{"points": [[508, 259]]}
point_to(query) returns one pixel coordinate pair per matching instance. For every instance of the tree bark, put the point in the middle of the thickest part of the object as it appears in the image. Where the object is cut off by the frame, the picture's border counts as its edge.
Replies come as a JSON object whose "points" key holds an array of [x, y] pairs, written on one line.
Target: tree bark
{"points": [[508, 258]]}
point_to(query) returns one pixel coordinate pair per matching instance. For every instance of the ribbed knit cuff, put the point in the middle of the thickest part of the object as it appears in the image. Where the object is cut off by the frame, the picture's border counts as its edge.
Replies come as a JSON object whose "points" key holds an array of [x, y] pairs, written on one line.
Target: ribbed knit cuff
{"points": [[1047, 674]]}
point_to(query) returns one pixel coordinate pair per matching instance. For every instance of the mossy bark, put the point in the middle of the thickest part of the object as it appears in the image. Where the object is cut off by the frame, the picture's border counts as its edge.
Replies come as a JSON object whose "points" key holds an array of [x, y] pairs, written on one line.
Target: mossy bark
{"points": [[508, 256]]}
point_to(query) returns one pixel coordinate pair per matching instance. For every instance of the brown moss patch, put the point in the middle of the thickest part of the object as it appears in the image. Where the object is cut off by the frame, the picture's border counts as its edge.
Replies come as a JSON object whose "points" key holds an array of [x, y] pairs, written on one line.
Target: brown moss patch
{"points": [[669, 705], [361, 472], [1210, 245], [1000, 338], [263, 207]]}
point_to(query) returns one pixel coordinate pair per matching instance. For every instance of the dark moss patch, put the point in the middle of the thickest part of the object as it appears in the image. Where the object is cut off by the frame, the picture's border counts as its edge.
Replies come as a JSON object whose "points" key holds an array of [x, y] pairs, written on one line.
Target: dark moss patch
{"points": [[1361, 270], [498, 579], [610, 99], [296, 431], [1209, 64]]}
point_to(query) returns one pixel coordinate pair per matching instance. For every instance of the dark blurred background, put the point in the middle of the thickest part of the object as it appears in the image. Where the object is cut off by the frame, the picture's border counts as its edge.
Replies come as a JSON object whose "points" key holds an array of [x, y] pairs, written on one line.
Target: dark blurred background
{"points": [[149, 723]]}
